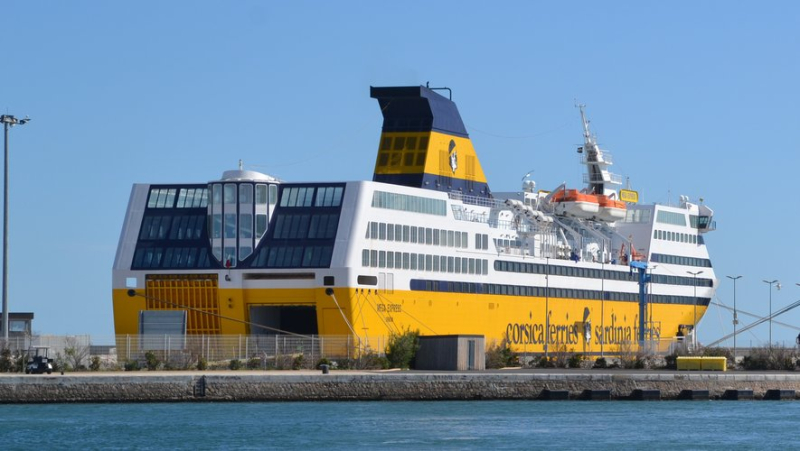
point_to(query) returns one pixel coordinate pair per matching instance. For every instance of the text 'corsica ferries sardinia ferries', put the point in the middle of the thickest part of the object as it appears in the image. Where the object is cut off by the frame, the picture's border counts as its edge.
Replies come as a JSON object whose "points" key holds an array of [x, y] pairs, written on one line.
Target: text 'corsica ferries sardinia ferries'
{"points": [[423, 246]]}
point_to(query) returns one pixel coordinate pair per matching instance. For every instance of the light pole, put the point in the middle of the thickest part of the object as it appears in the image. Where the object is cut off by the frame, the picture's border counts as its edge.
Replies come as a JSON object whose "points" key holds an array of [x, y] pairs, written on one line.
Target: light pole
{"points": [[797, 340], [603, 301], [770, 283], [694, 324], [8, 122], [547, 311], [735, 317], [649, 306]]}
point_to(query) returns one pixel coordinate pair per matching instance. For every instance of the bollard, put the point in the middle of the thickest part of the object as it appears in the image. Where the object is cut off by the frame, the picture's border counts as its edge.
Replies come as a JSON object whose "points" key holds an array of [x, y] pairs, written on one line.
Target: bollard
{"points": [[324, 368]]}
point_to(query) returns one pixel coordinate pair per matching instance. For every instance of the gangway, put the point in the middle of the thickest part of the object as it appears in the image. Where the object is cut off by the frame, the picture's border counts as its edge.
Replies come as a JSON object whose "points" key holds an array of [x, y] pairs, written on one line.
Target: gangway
{"points": [[757, 322], [743, 312]]}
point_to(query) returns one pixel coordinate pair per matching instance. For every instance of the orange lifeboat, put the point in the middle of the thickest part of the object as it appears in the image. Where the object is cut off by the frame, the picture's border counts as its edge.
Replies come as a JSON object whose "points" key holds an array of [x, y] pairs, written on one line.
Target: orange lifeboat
{"points": [[611, 210], [574, 203], [588, 206]]}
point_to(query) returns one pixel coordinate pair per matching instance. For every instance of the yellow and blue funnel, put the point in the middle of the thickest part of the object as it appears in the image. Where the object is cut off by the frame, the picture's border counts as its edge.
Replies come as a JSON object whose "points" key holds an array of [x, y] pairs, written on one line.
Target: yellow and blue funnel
{"points": [[424, 143]]}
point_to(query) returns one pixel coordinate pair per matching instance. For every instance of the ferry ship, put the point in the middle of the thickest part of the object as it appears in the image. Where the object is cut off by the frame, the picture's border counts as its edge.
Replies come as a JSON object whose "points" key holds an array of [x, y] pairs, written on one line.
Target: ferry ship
{"points": [[425, 246]]}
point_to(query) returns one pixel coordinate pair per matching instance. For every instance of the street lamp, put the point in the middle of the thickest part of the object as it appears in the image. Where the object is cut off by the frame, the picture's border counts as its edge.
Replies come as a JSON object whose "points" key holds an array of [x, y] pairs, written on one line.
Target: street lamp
{"points": [[649, 306], [778, 285], [547, 311], [8, 122], [798, 336], [694, 324], [603, 300], [735, 317]]}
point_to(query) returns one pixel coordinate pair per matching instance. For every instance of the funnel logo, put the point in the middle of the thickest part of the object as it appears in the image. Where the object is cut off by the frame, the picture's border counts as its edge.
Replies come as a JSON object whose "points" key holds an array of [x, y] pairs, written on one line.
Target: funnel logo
{"points": [[453, 156]]}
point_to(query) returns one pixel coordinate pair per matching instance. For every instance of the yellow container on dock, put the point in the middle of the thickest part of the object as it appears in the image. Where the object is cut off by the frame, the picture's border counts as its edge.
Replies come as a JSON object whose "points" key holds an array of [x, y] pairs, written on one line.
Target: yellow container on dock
{"points": [[715, 363], [689, 363], [702, 363]]}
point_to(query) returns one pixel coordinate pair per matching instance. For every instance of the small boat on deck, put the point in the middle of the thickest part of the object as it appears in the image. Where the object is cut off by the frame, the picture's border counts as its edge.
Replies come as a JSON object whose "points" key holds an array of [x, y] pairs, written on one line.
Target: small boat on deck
{"points": [[572, 202], [611, 210], [575, 203]]}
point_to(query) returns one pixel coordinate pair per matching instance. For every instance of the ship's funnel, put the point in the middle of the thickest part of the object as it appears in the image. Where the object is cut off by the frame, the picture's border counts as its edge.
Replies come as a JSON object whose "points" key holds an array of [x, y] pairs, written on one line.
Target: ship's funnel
{"points": [[424, 143]]}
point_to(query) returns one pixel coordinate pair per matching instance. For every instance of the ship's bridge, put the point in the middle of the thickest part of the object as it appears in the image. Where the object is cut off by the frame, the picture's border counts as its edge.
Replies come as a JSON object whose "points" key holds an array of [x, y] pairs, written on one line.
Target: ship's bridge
{"points": [[239, 209]]}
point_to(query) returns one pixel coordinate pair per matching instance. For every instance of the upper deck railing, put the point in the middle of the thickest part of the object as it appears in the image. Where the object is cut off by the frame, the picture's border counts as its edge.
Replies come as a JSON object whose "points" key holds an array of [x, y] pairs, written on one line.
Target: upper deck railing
{"points": [[584, 157], [474, 200], [598, 177]]}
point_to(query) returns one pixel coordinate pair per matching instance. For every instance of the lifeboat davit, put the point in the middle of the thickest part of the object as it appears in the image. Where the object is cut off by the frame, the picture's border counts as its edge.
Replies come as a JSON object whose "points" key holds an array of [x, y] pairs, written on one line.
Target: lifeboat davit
{"points": [[575, 203]]}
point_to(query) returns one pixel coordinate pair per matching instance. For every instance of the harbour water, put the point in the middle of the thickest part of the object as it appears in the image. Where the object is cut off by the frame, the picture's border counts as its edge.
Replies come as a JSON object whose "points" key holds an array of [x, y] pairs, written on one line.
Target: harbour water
{"points": [[404, 425]]}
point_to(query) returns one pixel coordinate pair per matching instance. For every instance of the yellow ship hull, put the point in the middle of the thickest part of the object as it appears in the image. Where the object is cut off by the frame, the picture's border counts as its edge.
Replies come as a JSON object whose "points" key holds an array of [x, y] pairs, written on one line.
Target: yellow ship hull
{"points": [[575, 325]]}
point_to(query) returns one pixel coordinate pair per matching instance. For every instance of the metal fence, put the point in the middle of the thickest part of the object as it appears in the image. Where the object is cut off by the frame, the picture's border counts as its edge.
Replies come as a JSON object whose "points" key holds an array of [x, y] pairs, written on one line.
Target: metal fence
{"points": [[258, 351], [270, 350], [184, 351]]}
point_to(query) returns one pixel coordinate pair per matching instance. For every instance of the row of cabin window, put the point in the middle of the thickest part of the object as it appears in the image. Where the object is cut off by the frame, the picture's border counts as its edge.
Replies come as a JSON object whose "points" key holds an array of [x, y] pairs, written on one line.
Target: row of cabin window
{"points": [[405, 202], [559, 270], [175, 227], [187, 198], [544, 292], [677, 237], [681, 280], [228, 194], [421, 235], [423, 262], [190, 257], [681, 260], [639, 216], [502, 243], [305, 226], [294, 257], [699, 222], [245, 225], [522, 290], [671, 217], [308, 196], [591, 273]]}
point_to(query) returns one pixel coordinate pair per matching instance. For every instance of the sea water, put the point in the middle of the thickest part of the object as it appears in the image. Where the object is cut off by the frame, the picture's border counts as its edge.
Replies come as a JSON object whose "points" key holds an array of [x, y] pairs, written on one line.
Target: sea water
{"points": [[595, 425]]}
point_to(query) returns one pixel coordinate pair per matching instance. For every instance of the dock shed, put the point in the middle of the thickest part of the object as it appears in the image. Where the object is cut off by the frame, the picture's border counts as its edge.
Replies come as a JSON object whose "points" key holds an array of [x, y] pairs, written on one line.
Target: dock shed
{"points": [[451, 353]]}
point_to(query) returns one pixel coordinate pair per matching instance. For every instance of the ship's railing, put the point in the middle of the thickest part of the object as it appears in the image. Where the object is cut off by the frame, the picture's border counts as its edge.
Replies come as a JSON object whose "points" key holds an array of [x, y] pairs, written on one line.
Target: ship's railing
{"points": [[474, 200], [509, 225], [710, 227], [598, 177], [584, 157], [469, 216]]}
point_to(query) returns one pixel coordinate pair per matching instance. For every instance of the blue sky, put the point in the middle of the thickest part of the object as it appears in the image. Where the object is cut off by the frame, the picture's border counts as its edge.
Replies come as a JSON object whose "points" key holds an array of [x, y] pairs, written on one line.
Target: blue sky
{"points": [[694, 98]]}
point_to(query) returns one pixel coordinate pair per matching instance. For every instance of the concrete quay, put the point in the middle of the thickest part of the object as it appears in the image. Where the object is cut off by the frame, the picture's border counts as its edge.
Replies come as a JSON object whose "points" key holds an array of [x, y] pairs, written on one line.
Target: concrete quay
{"points": [[216, 386]]}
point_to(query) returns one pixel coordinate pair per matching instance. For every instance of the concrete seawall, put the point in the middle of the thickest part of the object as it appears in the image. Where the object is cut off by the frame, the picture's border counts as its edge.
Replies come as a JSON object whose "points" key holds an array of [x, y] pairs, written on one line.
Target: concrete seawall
{"points": [[353, 385]]}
